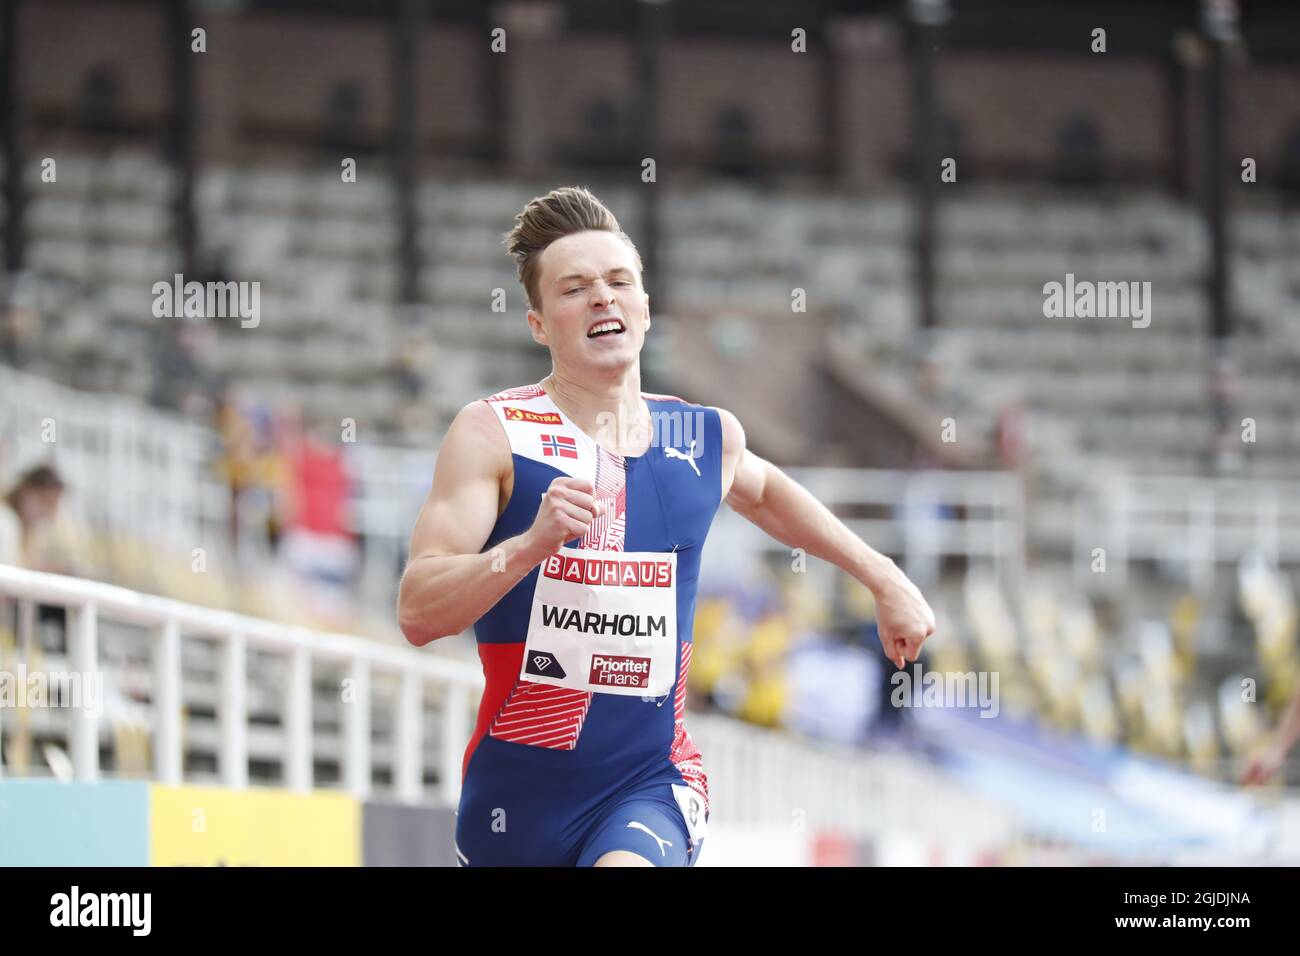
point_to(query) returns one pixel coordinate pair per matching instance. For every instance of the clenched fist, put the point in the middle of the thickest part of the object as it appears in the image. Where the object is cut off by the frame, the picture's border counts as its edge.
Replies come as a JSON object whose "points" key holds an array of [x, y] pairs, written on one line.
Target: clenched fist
{"points": [[903, 618], [568, 508]]}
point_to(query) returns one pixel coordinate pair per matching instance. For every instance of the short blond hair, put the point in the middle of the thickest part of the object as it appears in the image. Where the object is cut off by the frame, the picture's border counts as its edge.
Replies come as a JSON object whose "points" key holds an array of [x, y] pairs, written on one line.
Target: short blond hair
{"points": [[561, 212]]}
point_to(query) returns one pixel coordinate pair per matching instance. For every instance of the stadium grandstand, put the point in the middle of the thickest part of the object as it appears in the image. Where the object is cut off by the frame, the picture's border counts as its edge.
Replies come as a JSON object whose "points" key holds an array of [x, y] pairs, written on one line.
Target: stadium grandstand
{"points": [[850, 215]]}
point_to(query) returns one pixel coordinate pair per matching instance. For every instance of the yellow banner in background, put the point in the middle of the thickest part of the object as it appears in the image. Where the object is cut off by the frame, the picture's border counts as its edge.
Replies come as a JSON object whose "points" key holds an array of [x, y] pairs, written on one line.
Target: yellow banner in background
{"points": [[213, 826]]}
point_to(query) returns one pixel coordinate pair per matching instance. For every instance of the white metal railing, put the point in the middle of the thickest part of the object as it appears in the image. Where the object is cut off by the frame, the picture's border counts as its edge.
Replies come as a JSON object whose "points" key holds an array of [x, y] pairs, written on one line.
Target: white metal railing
{"points": [[979, 515], [757, 776], [130, 467], [760, 777], [1192, 521], [172, 622]]}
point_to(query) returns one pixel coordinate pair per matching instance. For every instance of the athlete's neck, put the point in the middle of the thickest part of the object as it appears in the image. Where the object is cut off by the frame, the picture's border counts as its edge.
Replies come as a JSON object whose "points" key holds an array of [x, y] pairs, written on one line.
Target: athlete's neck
{"points": [[612, 411]]}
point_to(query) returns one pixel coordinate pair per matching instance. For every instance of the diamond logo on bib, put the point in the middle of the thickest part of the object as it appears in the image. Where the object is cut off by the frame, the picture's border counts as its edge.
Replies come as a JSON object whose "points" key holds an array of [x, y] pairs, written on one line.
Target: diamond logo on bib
{"points": [[540, 662]]}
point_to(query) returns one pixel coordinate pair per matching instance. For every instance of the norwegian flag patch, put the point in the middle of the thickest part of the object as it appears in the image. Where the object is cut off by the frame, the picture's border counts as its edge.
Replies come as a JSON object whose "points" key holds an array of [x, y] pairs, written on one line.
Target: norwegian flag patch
{"points": [[559, 446]]}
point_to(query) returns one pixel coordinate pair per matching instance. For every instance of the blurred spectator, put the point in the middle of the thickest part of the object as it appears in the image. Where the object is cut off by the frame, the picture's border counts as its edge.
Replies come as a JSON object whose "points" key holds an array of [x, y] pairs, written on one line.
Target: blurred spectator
{"points": [[11, 529], [318, 543], [34, 501], [11, 534], [1011, 436], [181, 379], [255, 472], [19, 322], [834, 690], [49, 540], [766, 694]]}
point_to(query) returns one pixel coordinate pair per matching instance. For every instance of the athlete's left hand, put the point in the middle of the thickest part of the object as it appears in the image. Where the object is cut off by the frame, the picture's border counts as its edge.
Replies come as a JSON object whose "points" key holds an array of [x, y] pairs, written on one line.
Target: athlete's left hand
{"points": [[903, 617]]}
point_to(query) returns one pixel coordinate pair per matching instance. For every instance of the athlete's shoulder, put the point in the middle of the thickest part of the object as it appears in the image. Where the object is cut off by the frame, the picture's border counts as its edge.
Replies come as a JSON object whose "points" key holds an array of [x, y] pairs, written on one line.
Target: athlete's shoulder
{"points": [[658, 397], [476, 431], [520, 393], [733, 433], [671, 399]]}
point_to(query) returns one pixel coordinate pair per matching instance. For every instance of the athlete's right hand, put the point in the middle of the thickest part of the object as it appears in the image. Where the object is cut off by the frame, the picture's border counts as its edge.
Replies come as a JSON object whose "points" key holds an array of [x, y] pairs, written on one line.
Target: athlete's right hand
{"points": [[1265, 761], [568, 508]]}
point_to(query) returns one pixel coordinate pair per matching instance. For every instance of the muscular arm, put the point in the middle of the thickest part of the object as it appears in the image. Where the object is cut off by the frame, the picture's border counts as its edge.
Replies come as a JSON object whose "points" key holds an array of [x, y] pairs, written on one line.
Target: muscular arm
{"points": [[448, 584], [773, 501]]}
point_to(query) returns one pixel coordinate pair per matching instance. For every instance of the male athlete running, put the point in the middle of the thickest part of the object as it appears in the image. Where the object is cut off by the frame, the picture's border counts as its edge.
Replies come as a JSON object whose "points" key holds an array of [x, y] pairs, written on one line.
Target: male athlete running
{"points": [[570, 538]]}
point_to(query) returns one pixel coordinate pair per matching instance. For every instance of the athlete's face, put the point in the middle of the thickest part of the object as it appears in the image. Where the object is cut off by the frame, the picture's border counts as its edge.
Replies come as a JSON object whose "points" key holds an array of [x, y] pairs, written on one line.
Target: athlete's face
{"points": [[590, 281]]}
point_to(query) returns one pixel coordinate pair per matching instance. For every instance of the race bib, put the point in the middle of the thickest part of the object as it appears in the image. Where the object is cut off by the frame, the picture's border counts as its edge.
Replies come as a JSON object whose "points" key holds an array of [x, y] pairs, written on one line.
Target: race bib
{"points": [[604, 621]]}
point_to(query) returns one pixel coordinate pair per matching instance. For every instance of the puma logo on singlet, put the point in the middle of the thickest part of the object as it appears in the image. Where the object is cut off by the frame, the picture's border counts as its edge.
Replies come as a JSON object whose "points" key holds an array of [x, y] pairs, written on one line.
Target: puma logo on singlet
{"points": [[689, 458], [636, 824]]}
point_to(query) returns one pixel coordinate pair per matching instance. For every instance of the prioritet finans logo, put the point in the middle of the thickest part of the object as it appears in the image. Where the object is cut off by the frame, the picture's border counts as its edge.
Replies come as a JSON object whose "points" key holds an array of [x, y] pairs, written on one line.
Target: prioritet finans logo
{"points": [[619, 671]]}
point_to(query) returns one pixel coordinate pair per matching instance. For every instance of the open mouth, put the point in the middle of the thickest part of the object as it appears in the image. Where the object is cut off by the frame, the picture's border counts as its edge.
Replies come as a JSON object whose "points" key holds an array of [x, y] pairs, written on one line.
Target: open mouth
{"points": [[610, 327]]}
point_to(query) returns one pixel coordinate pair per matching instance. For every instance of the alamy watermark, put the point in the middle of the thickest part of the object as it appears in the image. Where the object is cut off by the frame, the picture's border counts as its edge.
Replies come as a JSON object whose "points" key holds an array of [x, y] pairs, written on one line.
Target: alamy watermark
{"points": [[1100, 300], [674, 431], [946, 689], [77, 690], [132, 911], [179, 299]]}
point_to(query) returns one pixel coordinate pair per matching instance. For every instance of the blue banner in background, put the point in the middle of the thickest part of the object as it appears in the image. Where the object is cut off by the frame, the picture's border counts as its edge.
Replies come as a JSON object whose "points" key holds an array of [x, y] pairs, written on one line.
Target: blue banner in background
{"points": [[50, 823]]}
